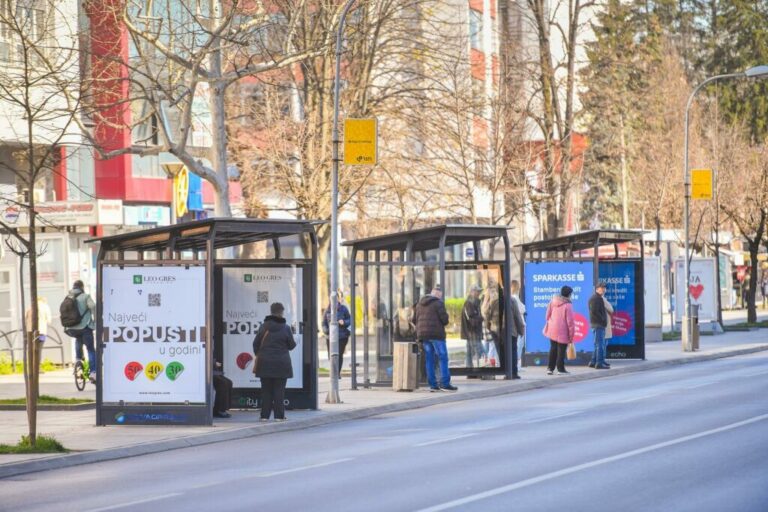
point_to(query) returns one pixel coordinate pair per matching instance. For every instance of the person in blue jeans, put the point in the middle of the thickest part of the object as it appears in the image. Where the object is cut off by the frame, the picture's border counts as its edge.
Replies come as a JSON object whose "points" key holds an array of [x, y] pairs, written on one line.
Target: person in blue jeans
{"points": [[430, 318], [83, 332], [598, 321]]}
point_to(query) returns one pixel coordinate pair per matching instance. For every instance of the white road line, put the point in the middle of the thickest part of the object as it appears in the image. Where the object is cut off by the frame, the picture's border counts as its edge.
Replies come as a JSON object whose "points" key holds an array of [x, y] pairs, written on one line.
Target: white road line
{"points": [[137, 502], [302, 468], [580, 467], [637, 398], [539, 420], [445, 440], [702, 384]]}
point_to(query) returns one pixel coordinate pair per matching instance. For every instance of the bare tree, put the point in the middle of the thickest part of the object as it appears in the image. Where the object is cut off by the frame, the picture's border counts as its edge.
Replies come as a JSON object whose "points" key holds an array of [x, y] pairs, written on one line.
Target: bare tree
{"points": [[42, 70]]}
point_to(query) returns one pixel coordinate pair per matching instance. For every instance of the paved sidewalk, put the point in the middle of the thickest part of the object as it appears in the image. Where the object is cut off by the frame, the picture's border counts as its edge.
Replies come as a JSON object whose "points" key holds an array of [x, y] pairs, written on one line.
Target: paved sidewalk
{"points": [[76, 430]]}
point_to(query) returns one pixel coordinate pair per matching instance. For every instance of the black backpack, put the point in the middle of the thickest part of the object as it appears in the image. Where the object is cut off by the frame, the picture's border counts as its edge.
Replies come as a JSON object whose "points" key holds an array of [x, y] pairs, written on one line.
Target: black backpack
{"points": [[70, 313]]}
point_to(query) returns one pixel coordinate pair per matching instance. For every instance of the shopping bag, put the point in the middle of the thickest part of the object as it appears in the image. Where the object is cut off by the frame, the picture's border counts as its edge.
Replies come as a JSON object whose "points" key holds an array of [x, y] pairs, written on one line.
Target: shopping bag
{"points": [[571, 354]]}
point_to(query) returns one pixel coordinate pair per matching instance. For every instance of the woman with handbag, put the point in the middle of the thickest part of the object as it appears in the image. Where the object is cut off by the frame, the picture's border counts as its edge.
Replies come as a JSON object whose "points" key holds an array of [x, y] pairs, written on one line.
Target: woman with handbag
{"points": [[271, 345], [560, 329]]}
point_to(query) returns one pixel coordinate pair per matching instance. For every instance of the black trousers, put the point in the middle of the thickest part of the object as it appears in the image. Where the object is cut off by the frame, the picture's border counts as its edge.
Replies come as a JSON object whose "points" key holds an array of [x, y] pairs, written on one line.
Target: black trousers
{"points": [[342, 349], [223, 387], [273, 397], [557, 355]]}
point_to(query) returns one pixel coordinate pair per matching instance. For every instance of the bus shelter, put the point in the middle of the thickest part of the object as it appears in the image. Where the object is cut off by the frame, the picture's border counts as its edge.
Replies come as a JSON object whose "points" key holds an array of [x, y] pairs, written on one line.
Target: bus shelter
{"points": [[392, 272], [178, 303], [580, 261]]}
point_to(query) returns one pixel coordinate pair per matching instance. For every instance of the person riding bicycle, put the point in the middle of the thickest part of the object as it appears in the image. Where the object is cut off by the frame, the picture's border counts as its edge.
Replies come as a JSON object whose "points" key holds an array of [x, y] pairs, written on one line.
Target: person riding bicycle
{"points": [[83, 331]]}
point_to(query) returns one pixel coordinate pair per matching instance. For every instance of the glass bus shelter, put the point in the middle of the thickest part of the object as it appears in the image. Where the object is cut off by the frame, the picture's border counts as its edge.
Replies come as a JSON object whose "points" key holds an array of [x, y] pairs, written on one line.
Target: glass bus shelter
{"points": [[392, 272]]}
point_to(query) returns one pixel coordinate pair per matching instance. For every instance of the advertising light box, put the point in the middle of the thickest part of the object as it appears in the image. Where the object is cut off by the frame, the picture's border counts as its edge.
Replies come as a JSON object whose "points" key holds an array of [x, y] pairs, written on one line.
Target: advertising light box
{"points": [[154, 334]]}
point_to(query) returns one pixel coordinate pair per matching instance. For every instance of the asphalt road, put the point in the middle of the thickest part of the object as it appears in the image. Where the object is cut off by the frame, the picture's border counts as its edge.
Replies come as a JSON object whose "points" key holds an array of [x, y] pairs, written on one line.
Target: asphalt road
{"points": [[689, 438]]}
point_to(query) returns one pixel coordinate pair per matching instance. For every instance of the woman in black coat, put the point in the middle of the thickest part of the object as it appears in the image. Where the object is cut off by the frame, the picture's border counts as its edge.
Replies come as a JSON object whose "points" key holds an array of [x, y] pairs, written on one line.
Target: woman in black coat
{"points": [[271, 345]]}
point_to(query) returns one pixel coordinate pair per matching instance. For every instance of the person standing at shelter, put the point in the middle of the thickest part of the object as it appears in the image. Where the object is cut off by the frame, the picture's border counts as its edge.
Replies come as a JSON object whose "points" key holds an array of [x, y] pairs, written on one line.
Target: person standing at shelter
{"points": [[608, 327], [345, 321], [271, 346], [82, 331], [560, 329], [514, 290], [472, 326], [430, 318], [598, 320]]}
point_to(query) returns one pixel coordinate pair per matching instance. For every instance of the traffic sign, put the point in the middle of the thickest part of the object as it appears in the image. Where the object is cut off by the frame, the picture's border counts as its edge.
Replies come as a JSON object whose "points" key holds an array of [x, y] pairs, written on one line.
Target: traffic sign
{"points": [[361, 141], [702, 184]]}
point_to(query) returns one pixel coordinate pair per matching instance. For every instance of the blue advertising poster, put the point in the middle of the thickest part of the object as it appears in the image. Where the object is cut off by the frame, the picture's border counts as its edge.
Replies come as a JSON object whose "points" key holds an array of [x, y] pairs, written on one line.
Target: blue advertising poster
{"points": [[620, 292], [543, 280]]}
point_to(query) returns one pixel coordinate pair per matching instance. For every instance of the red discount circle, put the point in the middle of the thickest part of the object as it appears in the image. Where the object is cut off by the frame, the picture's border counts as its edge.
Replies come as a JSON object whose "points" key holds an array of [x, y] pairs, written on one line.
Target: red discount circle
{"points": [[621, 323], [582, 327]]}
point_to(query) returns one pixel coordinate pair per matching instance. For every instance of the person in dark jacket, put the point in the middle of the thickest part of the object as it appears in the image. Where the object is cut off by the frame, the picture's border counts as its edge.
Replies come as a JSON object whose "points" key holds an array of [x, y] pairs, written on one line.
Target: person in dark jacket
{"points": [[345, 321], [493, 313], [222, 386], [598, 321], [430, 318], [271, 345], [472, 326]]}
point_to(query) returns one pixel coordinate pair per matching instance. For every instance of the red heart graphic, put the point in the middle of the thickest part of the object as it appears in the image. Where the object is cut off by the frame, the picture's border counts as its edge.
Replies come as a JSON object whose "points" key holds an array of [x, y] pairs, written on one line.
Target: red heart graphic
{"points": [[696, 291]]}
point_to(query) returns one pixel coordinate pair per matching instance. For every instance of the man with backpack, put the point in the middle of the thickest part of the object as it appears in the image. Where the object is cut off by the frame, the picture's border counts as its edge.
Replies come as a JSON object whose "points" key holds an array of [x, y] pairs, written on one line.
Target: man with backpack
{"points": [[78, 313]]}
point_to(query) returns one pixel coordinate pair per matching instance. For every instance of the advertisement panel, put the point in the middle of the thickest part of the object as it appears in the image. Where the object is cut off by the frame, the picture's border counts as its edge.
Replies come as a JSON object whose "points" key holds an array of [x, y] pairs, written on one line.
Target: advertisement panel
{"points": [[652, 291], [543, 280], [620, 279], [154, 334], [247, 295], [703, 289]]}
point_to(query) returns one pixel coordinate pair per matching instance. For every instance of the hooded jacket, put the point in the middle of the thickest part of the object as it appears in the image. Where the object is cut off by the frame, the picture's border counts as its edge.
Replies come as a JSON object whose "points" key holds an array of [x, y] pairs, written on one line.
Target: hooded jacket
{"points": [[430, 318], [560, 326], [271, 345]]}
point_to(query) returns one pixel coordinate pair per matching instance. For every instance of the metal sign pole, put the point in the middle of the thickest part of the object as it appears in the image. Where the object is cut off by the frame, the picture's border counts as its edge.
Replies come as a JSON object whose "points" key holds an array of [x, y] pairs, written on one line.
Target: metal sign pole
{"points": [[333, 324]]}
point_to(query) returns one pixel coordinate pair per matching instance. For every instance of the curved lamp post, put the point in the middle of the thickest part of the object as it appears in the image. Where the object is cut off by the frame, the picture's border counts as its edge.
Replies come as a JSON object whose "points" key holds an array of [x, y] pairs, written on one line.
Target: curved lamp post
{"points": [[754, 72]]}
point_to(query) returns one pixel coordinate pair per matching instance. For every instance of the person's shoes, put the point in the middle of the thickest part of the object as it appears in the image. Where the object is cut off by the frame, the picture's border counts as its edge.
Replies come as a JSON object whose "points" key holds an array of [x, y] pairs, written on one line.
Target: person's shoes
{"points": [[222, 415], [434, 389], [92, 377], [563, 372], [449, 388], [263, 420], [602, 367], [607, 364], [281, 419], [515, 377], [550, 372], [591, 364]]}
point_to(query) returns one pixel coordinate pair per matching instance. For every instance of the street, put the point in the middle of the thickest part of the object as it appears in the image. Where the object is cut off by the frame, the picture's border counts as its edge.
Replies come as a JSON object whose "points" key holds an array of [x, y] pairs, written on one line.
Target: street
{"points": [[691, 437]]}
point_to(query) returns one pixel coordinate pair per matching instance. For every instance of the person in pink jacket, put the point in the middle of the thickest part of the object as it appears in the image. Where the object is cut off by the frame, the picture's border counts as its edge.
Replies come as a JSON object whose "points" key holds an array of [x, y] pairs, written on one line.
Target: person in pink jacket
{"points": [[559, 329]]}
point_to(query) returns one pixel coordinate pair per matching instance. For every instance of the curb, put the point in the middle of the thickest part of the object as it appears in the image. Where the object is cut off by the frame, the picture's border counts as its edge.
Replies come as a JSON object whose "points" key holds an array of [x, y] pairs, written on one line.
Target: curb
{"points": [[50, 407], [76, 459]]}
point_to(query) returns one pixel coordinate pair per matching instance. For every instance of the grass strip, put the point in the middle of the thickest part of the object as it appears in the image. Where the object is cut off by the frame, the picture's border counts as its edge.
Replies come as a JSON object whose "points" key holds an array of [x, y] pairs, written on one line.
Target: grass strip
{"points": [[44, 444], [46, 400]]}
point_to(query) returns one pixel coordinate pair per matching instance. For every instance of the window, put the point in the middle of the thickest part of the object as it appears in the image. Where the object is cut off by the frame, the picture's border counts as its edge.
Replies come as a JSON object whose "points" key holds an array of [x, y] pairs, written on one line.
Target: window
{"points": [[476, 29], [24, 18]]}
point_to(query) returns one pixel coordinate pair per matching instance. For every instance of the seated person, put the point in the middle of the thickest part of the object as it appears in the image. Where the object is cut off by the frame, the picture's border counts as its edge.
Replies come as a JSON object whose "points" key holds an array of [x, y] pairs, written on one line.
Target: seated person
{"points": [[222, 387]]}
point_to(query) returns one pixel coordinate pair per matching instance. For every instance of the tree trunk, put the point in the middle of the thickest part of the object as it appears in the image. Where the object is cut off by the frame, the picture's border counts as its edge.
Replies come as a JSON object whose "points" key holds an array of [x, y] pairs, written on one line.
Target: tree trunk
{"points": [[218, 116], [754, 275]]}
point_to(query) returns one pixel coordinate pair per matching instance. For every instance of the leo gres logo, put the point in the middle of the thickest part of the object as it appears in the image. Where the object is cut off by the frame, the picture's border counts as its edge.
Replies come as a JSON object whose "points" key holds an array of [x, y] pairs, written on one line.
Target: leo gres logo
{"points": [[142, 279], [260, 278]]}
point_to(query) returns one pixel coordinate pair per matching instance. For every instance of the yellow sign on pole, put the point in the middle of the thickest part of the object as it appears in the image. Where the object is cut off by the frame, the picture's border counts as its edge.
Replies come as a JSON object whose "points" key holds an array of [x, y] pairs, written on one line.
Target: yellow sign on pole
{"points": [[181, 191], [361, 141], [702, 184]]}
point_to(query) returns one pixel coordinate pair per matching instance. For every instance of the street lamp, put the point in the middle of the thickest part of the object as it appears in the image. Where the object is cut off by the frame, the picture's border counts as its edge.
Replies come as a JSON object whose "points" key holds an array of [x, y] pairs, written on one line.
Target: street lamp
{"points": [[753, 72], [333, 323]]}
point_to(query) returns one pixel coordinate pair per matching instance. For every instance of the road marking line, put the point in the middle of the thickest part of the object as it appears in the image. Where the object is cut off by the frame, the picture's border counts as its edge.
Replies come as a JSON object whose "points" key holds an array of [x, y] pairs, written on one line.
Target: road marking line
{"points": [[637, 398], [702, 384], [445, 440], [588, 465], [539, 420], [302, 468], [137, 502]]}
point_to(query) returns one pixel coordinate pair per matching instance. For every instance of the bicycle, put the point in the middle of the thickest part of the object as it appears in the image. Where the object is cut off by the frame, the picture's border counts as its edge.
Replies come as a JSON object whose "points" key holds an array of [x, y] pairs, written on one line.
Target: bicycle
{"points": [[82, 374]]}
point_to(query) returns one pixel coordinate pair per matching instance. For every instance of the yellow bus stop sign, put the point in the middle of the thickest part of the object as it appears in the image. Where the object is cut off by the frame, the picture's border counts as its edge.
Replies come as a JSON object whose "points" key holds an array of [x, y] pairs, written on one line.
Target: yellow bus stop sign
{"points": [[361, 141], [701, 184]]}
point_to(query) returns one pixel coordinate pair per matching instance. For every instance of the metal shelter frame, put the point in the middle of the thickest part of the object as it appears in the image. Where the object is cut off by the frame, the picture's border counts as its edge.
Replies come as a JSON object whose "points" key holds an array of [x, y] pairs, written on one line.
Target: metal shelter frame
{"points": [[196, 243], [411, 247], [566, 248]]}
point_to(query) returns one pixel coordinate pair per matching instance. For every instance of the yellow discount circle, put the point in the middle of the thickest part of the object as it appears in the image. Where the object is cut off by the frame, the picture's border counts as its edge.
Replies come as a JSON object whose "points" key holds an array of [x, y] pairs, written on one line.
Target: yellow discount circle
{"points": [[153, 369], [181, 191]]}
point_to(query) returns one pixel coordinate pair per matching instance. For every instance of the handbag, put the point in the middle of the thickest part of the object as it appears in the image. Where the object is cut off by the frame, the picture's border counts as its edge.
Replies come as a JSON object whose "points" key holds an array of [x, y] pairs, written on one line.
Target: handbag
{"points": [[261, 345], [571, 352]]}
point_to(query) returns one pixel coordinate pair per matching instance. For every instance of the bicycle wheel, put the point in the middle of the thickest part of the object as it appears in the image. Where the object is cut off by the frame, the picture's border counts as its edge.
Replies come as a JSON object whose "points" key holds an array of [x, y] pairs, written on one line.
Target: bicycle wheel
{"points": [[80, 376]]}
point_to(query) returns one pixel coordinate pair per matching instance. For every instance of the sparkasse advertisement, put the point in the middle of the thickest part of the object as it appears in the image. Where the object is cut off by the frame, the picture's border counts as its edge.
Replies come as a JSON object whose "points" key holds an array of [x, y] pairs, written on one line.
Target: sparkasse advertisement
{"points": [[248, 294], [154, 334]]}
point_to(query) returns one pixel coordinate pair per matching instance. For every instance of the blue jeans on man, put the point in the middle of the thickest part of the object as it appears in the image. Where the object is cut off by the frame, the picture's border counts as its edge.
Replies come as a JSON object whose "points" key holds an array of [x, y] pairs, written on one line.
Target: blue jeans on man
{"points": [[598, 354], [439, 348], [85, 337]]}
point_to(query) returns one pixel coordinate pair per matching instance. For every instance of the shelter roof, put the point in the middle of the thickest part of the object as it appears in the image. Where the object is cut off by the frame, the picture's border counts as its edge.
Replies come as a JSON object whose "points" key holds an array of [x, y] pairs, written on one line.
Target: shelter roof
{"points": [[584, 240], [426, 239], [193, 236]]}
